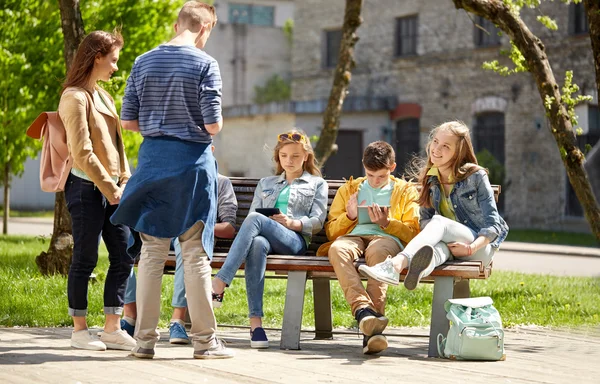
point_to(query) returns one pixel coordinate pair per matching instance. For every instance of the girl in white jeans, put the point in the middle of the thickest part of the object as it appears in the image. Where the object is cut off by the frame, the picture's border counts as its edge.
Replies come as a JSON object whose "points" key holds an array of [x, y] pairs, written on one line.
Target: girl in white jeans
{"points": [[458, 215]]}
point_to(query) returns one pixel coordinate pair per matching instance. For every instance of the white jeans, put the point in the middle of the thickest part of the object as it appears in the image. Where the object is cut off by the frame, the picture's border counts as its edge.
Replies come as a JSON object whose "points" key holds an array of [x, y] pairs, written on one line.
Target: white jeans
{"points": [[440, 231], [197, 279]]}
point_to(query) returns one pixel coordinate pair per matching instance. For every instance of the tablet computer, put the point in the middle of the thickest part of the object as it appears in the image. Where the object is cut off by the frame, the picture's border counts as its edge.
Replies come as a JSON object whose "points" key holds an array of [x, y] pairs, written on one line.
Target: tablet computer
{"points": [[363, 213], [268, 211]]}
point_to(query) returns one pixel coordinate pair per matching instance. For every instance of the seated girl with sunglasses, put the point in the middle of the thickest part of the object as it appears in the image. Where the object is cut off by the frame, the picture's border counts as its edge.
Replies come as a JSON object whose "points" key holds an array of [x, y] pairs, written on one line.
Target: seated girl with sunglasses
{"points": [[300, 194]]}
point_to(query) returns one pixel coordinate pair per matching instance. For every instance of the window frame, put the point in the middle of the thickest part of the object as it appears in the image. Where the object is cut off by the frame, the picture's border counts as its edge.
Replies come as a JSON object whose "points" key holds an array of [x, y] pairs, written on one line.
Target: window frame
{"points": [[328, 61], [481, 38], [410, 24]]}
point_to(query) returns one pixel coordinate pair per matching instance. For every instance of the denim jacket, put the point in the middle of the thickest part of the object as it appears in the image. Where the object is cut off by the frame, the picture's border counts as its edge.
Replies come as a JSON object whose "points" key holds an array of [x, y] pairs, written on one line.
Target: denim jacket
{"points": [[474, 206], [307, 201]]}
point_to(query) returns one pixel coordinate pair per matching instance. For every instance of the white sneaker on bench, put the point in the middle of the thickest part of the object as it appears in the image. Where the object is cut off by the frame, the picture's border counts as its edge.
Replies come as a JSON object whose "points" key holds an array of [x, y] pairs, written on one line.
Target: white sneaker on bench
{"points": [[383, 272]]}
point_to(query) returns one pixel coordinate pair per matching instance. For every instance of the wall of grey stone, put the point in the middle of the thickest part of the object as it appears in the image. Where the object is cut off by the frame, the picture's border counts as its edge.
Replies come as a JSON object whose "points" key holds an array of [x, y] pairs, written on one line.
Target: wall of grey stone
{"points": [[248, 55], [446, 79], [245, 145]]}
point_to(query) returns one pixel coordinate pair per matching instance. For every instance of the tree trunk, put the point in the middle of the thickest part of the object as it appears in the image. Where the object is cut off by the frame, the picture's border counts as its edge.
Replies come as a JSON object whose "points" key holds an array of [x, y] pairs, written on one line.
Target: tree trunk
{"points": [[6, 199], [561, 128], [58, 257], [72, 27], [592, 9], [341, 81]]}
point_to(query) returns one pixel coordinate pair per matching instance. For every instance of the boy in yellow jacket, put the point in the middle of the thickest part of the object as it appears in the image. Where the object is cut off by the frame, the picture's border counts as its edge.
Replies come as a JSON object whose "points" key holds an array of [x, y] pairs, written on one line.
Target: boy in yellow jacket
{"points": [[371, 217]]}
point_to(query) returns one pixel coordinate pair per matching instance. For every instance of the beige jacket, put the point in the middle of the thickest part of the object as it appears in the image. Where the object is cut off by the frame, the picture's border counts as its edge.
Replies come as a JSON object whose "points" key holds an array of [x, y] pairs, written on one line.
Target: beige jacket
{"points": [[95, 142]]}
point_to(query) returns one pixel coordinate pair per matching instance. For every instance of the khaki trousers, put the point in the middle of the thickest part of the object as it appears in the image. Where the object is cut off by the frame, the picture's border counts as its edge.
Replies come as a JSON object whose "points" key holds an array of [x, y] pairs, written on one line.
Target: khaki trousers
{"points": [[197, 280], [342, 254]]}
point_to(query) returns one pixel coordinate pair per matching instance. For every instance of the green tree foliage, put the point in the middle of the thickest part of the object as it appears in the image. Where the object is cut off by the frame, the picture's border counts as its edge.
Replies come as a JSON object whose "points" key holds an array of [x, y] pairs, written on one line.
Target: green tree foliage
{"points": [[31, 64], [495, 168], [275, 89]]}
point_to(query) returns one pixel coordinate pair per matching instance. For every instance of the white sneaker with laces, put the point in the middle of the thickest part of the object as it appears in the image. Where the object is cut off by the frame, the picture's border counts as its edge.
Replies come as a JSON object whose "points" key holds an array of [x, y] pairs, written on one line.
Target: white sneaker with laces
{"points": [[117, 340], [84, 340], [383, 272]]}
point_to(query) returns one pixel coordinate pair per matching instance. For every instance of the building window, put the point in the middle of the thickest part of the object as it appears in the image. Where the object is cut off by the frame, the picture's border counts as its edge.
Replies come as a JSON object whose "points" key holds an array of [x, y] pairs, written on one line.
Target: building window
{"points": [[406, 35], [251, 14], [578, 23], [486, 34], [407, 141], [331, 47], [584, 142]]}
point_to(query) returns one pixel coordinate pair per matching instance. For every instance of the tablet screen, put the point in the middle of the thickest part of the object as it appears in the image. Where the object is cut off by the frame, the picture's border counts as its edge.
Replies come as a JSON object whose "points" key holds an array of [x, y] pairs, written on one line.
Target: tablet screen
{"points": [[363, 214]]}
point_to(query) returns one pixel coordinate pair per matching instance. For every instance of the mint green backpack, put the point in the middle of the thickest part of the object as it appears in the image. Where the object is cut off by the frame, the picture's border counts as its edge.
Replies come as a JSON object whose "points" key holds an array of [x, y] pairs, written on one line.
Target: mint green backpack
{"points": [[475, 331]]}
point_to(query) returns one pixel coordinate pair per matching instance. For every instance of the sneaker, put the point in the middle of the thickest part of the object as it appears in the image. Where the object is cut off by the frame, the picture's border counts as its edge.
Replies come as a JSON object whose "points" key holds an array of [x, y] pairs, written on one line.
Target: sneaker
{"points": [[370, 322], [258, 338], [420, 263], [217, 299], [177, 334], [142, 353], [117, 340], [383, 272], [84, 340], [374, 344], [130, 329], [219, 351]]}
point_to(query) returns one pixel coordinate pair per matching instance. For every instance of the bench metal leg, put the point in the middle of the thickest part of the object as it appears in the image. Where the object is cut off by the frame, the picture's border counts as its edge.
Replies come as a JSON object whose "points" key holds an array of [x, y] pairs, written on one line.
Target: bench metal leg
{"points": [[443, 288], [323, 317], [292, 312], [462, 290]]}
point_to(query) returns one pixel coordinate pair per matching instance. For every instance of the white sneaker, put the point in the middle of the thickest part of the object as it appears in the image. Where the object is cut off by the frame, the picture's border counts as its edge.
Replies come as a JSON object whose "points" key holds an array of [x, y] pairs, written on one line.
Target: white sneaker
{"points": [[383, 272], [117, 340], [84, 340]]}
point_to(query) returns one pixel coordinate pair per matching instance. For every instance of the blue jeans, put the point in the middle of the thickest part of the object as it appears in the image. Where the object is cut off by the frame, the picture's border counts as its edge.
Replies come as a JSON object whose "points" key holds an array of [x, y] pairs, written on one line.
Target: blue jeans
{"points": [[90, 213], [258, 236], [178, 300]]}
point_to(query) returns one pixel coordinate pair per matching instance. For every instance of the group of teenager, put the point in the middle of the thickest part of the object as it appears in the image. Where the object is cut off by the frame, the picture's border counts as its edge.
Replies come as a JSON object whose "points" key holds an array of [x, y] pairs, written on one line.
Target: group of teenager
{"points": [[176, 198]]}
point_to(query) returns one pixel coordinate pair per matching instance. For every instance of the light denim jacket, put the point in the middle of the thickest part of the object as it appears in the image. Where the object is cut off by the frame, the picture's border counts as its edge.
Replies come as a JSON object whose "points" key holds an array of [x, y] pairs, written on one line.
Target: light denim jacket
{"points": [[307, 201], [474, 206]]}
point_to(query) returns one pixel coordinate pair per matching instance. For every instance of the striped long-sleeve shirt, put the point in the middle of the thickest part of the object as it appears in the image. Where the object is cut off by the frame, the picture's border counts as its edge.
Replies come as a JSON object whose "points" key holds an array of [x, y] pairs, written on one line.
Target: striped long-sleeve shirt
{"points": [[174, 91]]}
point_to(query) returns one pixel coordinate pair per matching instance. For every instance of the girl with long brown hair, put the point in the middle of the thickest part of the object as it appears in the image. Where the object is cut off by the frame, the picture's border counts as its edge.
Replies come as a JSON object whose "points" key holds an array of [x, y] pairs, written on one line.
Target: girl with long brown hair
{"points": [[458, 215], [299, 194], [94, 187]]}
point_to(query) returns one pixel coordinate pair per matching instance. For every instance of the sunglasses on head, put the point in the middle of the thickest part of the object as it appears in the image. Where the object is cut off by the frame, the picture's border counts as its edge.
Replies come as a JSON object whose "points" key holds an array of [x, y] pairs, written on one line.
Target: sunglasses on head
{"points": [[297, 137]]}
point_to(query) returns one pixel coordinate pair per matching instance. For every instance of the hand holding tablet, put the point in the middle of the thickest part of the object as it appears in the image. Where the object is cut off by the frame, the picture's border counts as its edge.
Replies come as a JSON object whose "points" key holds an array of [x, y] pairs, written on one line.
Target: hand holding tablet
{"points": [[365, 218]]}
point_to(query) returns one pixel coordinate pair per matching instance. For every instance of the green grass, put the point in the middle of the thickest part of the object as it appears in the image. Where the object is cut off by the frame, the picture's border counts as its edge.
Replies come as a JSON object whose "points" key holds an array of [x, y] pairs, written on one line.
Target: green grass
{"points": [[14, 213], [29, 299], [552, 237]]}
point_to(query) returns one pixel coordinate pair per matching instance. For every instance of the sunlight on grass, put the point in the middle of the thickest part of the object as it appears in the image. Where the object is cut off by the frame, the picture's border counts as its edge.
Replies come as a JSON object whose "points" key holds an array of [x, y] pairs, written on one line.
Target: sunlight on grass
{"points": [[29, 299]]}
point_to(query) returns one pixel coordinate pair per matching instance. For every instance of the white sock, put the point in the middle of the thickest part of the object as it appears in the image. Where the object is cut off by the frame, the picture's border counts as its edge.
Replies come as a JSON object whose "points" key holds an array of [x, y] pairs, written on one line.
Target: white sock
{"points": [[181, 322], [129, 320]]}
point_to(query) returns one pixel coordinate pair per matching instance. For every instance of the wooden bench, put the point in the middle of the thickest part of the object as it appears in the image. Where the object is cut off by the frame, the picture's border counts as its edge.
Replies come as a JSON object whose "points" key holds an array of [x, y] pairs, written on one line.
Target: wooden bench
{"points": [[450, 279]]}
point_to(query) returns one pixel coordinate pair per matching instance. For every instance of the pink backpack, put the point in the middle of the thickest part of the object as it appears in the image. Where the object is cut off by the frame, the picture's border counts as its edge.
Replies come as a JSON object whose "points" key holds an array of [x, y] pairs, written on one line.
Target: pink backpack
{"points": [[55, 161]]}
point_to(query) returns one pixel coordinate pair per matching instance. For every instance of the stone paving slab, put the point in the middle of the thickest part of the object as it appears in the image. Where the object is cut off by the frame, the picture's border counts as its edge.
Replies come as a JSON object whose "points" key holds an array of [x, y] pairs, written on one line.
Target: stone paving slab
{"points": [[534, 355]]}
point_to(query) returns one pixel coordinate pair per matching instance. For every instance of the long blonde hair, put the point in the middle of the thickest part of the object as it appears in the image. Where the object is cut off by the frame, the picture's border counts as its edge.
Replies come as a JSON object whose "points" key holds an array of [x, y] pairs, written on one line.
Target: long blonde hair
{"points": [[310, 165], [463, 164]]}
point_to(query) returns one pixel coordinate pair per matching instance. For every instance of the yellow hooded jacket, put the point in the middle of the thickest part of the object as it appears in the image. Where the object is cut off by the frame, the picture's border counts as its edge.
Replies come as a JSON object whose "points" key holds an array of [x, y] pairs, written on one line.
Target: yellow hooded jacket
{"points": [[404, 220]]}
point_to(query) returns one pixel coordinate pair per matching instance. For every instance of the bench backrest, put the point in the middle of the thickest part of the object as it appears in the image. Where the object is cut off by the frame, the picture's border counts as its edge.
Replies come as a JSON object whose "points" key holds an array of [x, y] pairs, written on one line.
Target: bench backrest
{"points": [[244, 192]]}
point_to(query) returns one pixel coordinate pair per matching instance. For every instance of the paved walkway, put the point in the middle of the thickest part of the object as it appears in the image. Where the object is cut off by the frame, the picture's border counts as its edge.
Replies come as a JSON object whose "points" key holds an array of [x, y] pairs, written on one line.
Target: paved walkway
{"points": [[534, 355]]}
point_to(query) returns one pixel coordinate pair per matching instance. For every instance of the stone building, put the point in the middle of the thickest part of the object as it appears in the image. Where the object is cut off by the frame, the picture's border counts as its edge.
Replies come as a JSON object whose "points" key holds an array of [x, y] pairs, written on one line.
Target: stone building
{"points": [[419, 63]]}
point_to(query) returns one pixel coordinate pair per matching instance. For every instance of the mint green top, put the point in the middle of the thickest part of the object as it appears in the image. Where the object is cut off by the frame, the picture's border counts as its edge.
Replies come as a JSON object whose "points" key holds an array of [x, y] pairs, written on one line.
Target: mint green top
{"points": [[368, 195], [282, 199]]}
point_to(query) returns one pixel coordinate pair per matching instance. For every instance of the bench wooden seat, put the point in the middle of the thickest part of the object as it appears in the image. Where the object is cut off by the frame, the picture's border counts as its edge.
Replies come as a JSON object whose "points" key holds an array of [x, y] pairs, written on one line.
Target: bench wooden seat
{"points": [[450, 279]]}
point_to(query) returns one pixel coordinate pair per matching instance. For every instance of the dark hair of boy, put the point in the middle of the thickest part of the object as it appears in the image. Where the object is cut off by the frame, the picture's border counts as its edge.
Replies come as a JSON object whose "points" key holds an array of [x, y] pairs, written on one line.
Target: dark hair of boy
{"points": [[378, 155]]}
